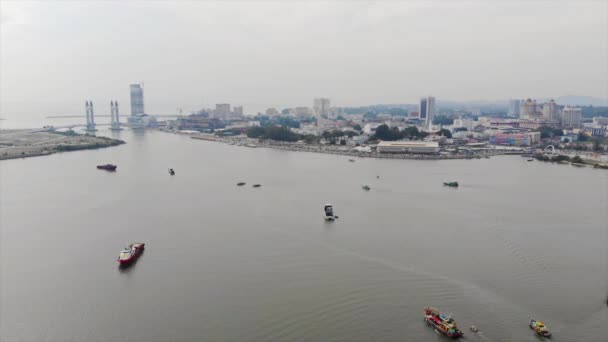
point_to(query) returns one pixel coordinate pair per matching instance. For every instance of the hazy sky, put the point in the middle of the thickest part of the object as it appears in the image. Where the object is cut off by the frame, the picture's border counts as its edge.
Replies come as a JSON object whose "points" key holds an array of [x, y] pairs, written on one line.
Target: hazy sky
{"points": [[56, 54]]}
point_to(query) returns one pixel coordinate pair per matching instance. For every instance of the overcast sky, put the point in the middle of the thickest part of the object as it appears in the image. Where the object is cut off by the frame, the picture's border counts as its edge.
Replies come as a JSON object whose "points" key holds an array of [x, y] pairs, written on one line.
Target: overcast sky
{"points": [[54, 55]]}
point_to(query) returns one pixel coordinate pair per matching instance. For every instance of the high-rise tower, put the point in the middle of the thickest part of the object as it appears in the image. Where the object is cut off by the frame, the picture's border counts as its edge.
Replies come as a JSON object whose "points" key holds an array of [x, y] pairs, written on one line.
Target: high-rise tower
{"points": [[137, 99]]}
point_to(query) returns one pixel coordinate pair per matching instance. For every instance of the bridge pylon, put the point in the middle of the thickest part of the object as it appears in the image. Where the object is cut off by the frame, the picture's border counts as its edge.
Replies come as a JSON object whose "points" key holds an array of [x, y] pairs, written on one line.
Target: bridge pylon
{"points": [[114, 115], [90, 117]]}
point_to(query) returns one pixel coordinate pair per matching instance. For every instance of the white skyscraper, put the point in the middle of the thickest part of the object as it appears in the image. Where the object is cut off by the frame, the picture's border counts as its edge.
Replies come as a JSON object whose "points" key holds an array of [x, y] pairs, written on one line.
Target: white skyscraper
{"points": [[137, 99], [571, 117], [551, 111]]}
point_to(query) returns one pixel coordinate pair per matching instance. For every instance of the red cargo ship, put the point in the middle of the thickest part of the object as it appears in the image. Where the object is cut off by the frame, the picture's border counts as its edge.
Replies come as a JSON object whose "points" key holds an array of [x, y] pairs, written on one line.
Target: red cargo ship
{"points": [[130, 253]]}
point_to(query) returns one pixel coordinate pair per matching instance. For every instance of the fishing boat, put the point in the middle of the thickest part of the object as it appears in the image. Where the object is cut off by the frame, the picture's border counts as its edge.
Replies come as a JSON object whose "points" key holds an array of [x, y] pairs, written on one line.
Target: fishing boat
{"points": [[442, 323], [257, 185], [366, 188], [171, 172], [130, 253], [107, 167], [328, 212], [540, 328], [452, 184], [240, 183]]}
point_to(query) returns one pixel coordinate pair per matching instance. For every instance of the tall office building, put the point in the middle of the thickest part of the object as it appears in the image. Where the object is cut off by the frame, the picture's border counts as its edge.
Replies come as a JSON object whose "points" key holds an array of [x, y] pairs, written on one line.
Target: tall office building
{"points": [[422, 108], [514, 108], [137, 99], [222, 110], [321, 107], [427, 110], [571, 117]]}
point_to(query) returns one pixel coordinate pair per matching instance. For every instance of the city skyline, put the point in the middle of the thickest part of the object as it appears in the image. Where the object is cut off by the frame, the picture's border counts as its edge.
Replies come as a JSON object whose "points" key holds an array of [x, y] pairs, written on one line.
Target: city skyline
{"points": [[267, 60]]}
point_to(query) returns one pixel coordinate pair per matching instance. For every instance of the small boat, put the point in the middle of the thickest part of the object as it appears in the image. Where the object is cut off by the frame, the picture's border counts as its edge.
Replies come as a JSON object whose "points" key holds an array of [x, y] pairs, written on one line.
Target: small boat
{"points": [[540, 328], [474, 328], [452, 184], [328, 212], [351, 160], [366, 188], [530, 160], [257, 185], [442, 323], [240, 183], [107, 167], [251, 145], [130, 253], [171, 172]]}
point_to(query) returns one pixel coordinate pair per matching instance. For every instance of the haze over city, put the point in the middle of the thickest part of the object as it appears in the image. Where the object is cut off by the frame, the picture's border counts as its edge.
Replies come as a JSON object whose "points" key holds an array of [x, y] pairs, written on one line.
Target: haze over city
{"points": [[54, 55], [303, 170]]}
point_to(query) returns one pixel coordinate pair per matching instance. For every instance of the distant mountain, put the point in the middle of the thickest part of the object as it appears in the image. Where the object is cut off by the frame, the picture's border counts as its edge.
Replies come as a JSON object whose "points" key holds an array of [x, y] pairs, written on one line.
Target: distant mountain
{"points": [[572, 100]]}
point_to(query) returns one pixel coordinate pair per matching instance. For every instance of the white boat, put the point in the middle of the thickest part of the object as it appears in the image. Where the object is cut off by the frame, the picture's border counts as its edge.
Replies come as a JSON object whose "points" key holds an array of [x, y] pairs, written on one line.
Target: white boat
{"points": [[328, 212]]}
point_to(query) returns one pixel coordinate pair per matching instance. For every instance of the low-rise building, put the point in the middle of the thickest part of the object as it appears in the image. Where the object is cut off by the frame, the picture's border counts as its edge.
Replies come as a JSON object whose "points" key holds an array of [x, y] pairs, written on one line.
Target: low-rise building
{"points": [[600, 121], [415, 147], [464, 123], [197, 122], [370, 128], [534, 137], [301, 112], [535, 124], [510, 139], [569, 137], [272, 112], [598, 131]]}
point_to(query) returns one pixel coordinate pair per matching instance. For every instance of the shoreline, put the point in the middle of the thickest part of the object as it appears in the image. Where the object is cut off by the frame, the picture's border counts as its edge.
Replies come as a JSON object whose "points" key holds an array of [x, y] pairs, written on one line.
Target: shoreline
{"points": [[23, 143], [348, 151], [341, 150]]}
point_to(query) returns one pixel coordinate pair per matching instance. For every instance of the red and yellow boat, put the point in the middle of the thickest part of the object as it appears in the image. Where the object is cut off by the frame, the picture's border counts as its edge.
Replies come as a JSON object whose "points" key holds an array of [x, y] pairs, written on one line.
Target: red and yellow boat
{"points": [[442, 323], [130, 253]]}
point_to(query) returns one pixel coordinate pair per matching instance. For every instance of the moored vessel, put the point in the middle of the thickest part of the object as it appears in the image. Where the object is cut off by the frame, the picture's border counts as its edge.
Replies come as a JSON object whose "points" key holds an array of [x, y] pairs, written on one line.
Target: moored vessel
{"points": [[108, 167], [130, 253], [442, 323]]}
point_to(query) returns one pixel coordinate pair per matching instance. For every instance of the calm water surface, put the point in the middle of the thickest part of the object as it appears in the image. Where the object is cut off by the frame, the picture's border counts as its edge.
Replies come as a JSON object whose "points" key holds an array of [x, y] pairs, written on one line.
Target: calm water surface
{"points": [[516, 241]]}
